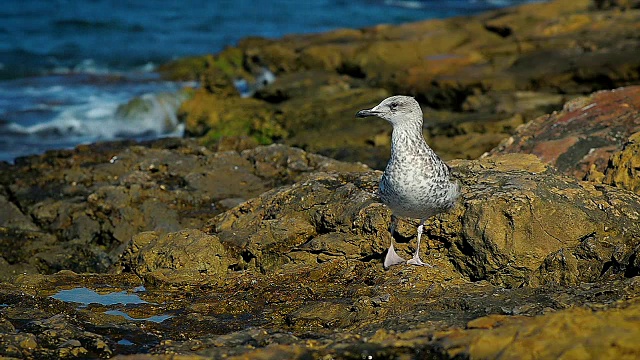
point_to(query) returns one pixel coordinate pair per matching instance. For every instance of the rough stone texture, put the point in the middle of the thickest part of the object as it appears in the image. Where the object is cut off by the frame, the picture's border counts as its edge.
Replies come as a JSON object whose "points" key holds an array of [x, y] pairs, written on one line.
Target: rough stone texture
{"points": [[516, 218], [273, 252], [579, 334], [584, 135], [45, 333], [477, 78], [80, 209], [519, 212], [12, 217], [177, 257], [297, 272], [343, 309], [518, 222], [214, 117], [623, 168], [324, 217]]}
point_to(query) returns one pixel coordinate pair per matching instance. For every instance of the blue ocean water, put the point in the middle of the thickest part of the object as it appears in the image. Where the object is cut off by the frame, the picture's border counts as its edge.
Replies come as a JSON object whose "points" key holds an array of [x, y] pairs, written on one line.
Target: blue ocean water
{"points": [[68, 66]]}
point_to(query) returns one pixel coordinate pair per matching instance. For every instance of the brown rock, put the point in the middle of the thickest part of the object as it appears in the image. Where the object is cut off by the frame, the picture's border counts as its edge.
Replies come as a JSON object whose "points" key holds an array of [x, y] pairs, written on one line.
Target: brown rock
{"points": [[12, 217], [517, 217], [574, 333], [623, 169], [339, 309], [584, 134], [518, 214], [530, 262], [88, 203], [188, 256], [323, 217], [516, 63]]}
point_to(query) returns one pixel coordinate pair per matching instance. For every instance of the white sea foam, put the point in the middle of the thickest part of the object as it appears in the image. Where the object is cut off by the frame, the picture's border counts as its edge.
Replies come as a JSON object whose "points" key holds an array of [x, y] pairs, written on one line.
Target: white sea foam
{"points": [[246, 89], [86, 66], [405, 4], [148, 67], [99, 120], [499, 2], [62, 111]]}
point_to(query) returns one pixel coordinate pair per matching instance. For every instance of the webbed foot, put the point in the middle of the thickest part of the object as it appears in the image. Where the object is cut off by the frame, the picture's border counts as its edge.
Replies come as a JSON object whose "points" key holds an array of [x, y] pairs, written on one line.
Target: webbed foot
{"points": [[392, 258]]}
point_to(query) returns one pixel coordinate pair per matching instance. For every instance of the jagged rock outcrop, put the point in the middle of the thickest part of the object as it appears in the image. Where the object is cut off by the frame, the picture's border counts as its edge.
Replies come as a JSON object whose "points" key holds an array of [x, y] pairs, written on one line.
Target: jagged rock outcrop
{"points": [[80, 209]]}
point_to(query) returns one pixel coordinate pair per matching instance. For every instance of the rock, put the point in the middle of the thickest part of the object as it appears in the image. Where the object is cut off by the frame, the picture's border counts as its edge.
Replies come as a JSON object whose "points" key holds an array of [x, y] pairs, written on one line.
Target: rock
{"points": [[622, 4], [215, 73], [186, 256], [583, 135], [46, 334], [12, 217], [21, 241], [323, 217], [314, 110], [577, 333], [160, 107], [274, 252], [322, 314], [27, 252], [471, 74], [523, 222], [623, 167], [334, 315], [213, 117], [88, 203], [325, 123], [516, 216]]}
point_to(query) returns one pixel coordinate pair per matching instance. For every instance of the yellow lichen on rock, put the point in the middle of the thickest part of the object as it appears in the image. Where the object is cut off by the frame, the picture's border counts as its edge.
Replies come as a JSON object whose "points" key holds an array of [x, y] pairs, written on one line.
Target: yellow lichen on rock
{"points": [[576, 333], [624, 166]]}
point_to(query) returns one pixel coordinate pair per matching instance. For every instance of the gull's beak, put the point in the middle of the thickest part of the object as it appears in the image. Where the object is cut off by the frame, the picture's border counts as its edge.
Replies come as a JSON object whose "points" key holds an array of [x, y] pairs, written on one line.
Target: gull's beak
{"points": [[365, 113]]}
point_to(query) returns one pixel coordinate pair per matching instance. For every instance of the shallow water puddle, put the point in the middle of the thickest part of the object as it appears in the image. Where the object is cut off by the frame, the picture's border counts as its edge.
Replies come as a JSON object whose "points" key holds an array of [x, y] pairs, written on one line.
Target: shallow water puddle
{"points": [[125, 342], [85, 296], [155, 318]]}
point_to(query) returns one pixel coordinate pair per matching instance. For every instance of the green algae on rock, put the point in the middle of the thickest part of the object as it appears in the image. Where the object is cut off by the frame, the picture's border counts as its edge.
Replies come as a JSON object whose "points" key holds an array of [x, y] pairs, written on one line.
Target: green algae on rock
{"points": [[212, 117], [477, 77]]}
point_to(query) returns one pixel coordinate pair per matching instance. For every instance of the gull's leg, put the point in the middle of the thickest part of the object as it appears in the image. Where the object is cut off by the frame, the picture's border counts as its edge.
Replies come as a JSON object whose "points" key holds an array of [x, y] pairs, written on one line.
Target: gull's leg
{"points": [[392, 258], [415, 260]]}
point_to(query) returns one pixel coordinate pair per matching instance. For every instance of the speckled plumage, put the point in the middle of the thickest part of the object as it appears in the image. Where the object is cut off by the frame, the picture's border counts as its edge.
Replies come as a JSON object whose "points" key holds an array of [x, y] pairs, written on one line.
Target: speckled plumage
{"points": [[416, 182]]}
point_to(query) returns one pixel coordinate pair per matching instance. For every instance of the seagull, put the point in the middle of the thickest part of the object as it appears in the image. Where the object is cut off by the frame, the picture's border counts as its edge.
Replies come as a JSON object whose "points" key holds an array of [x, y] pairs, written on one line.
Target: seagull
{"points": [[416, 183]]}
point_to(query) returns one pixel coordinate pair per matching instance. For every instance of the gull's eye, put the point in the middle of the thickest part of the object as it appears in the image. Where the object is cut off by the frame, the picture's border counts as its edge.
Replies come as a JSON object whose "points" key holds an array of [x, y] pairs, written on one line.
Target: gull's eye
{"points": [[393, 105]]}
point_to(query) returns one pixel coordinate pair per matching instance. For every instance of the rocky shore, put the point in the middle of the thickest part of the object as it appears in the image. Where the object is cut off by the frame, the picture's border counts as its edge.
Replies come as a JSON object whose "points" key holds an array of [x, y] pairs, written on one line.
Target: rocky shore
{"points": [[478, 78], [248, 242]]}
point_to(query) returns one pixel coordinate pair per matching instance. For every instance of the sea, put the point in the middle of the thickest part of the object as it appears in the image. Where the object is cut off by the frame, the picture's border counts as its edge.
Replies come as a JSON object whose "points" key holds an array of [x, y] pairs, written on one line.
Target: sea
{"points": [[71, 71]]}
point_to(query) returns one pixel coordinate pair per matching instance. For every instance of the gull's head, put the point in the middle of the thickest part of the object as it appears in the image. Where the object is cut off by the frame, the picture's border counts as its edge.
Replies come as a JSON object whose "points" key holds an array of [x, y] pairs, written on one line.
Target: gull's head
{"points": [[398, 110]]}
